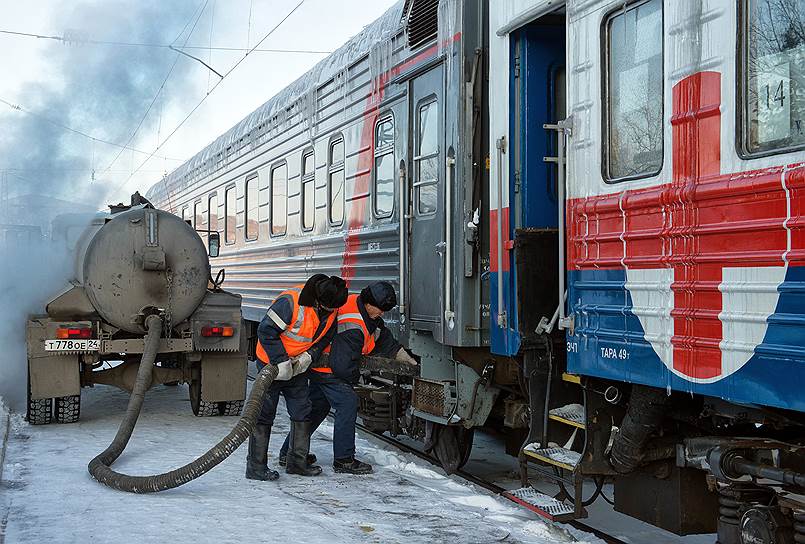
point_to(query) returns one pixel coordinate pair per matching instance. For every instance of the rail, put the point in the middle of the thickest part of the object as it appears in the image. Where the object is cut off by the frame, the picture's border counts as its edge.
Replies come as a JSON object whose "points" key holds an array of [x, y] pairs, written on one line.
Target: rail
{"points": [[489, 486]]}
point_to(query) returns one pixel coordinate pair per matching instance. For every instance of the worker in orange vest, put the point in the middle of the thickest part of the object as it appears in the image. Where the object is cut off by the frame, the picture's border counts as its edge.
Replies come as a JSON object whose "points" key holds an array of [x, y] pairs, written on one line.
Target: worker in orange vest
{"points": [[296, 329], [361, 331]]}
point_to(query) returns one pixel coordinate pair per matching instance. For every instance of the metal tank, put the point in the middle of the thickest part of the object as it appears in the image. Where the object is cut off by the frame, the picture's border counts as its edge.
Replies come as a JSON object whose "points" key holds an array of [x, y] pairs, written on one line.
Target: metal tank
{"points": [[134, 262], [145, 260]]}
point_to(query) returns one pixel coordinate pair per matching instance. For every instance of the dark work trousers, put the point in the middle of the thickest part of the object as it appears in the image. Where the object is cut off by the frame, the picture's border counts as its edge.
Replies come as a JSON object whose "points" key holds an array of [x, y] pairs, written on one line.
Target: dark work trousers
{"points": [[297, 400], [328, 391]]}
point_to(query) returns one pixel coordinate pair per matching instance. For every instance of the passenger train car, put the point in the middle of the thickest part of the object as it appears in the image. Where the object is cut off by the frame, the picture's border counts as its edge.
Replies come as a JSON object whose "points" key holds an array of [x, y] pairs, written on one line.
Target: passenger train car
{"points": [[639, 161]]}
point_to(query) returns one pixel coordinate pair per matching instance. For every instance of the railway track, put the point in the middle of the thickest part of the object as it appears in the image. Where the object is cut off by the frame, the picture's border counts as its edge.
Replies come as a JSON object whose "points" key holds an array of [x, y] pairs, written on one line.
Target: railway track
{"points": [[489, 486]]}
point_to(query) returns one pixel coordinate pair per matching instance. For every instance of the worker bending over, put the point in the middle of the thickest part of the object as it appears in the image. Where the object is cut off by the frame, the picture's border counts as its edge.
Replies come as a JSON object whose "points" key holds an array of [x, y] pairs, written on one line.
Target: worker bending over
{"points": [[361, 331], [293, 334]]}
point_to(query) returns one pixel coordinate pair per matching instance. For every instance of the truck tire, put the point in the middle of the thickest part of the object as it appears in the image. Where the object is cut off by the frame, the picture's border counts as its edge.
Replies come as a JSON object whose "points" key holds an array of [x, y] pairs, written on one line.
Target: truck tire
{"points": [[230, 407], [39, 411], [201, 408], [68, 409]]}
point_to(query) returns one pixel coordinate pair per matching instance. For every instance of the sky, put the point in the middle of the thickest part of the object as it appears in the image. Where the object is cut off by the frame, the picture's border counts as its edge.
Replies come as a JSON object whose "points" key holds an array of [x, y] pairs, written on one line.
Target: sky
{"points": [[64, 103]]}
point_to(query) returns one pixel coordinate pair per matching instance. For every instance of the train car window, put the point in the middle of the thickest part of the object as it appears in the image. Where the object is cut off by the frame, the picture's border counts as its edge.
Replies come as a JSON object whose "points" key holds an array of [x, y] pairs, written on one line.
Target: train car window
{"points": [[427, 158], [251, 207], [335, 182], [230, 215], [634, 89], [384, 167], [212, 212], [308, 190], [773, 86], [185, 213], [199, 215], [279, 199]]}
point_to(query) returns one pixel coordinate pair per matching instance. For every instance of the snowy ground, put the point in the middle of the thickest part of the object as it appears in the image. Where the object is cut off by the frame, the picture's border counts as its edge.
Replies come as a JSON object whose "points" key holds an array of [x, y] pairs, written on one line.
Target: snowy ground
{"points": [[46, 494]]}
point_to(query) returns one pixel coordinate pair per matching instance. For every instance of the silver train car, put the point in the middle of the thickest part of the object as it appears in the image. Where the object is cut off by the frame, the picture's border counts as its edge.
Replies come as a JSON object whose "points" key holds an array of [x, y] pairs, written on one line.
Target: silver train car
{"points": [[374, 166]]}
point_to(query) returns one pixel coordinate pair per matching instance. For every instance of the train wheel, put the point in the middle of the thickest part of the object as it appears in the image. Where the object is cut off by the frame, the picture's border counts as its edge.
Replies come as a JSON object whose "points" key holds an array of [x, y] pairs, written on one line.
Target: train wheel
{"points": [[201, 408], [230, 408], [453, 447], [68, 409]]}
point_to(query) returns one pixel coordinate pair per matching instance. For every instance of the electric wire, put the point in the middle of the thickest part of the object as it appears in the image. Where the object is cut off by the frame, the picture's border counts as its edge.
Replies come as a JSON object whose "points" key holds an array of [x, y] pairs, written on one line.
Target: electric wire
{"points": [[204, 98], [164, 82], [163, 46], [53, 122]]}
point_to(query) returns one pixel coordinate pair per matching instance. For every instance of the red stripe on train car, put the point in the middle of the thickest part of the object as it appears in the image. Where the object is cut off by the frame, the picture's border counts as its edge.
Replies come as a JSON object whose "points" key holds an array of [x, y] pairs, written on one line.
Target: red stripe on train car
{"points": [[357, 209]]}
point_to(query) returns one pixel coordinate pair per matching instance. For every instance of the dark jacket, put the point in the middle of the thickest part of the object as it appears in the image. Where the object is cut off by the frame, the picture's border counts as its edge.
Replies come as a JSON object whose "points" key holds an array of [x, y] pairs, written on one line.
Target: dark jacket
{"points": [[346, 347], [268, 332]]}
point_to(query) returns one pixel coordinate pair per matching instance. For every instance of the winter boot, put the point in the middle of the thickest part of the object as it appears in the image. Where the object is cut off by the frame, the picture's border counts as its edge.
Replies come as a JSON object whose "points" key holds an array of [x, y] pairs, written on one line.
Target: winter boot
{"points": [[311, 459], [350, 465], [257, 460], [296, 461]]}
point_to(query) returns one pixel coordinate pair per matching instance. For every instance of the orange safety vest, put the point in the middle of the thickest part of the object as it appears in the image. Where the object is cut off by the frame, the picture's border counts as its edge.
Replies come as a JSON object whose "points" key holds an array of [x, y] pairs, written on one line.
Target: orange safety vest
{"points": [[350, 318], [298, 337]]}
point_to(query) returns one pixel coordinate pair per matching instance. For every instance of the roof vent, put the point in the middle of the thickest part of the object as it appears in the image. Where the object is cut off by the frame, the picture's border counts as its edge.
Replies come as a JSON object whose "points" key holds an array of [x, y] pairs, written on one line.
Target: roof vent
{"points": [[421, 21]]}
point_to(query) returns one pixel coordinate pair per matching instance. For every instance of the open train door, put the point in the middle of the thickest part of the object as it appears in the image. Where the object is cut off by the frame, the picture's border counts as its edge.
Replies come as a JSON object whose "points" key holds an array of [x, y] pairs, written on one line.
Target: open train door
{"points": [[426, 240]]}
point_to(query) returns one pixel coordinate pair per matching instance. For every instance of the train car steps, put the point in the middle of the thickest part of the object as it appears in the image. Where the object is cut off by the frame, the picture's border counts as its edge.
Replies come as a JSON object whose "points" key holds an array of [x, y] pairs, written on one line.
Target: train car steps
{"points": [[571, 414], [544, 505]]}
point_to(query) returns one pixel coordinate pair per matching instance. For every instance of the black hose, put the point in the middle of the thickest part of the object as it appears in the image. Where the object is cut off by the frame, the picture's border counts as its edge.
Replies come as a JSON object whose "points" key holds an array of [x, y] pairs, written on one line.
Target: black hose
{"points": [[646, 410], [99, 467]]}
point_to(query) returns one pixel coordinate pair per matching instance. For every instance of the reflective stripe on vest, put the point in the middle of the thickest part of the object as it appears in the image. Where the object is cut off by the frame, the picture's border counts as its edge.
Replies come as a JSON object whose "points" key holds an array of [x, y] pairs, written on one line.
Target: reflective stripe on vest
{"points": [[298, 336], [350, 318]]}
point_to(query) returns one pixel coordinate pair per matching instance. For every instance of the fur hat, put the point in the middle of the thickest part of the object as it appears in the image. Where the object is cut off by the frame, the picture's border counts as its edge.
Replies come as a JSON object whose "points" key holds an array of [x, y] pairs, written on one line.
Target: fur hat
{"points": [[332, 292], [380, 294]]}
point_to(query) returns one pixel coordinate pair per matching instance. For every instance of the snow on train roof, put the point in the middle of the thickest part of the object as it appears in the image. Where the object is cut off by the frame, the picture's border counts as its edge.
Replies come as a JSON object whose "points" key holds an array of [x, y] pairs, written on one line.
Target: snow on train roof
{"points": [[383, 28]]}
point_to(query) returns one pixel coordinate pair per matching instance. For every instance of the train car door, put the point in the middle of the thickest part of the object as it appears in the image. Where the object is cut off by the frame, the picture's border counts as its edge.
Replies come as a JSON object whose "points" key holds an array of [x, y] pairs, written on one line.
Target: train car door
{"points": [[426, 241]]}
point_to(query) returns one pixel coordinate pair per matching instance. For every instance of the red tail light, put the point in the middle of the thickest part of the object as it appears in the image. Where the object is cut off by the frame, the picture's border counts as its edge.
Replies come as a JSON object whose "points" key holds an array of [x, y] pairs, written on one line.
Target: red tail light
{"points": [[217, 330], [74, 333]]}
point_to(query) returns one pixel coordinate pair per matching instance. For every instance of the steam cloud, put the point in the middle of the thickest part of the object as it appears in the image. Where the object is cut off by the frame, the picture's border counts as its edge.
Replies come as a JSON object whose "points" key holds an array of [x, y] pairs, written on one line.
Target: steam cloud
{"points": [[100, 90]]}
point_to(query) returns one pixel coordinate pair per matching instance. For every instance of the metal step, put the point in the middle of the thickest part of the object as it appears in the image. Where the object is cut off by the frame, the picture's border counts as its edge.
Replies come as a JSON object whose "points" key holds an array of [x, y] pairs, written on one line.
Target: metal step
{"points": [[556, 456], [571, 414], [572, 378], [544, 505]]}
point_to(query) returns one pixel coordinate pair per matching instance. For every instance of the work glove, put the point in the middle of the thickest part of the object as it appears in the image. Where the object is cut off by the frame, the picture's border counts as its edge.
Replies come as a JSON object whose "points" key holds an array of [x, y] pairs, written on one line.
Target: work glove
{"points": [[301, 363], [285, 371], [403, 356]]}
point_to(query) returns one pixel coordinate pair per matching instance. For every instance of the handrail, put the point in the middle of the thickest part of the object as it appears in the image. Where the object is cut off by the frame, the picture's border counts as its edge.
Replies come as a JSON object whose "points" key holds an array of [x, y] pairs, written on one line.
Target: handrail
{"points": [[403, 227], [563, 129], [500, 144], [449, 314]]}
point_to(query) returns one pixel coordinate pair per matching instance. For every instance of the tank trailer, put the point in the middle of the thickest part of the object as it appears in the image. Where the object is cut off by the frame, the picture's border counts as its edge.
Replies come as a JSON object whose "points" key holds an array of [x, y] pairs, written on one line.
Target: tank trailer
{"points": [[135, 262]]}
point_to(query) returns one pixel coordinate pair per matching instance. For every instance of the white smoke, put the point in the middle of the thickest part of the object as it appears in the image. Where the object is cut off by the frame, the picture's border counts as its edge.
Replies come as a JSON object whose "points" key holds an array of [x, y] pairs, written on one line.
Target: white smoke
{"points": [[32, 274], [45, 169]]}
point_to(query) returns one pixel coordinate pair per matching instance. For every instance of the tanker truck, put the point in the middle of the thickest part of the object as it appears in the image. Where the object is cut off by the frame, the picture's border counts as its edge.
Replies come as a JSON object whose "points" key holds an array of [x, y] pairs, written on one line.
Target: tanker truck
{"points": [[134, 262]]}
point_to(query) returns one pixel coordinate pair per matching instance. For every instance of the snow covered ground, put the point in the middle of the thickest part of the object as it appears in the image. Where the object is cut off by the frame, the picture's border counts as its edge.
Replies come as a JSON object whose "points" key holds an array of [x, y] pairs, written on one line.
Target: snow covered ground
{"points": [[46, 494]]}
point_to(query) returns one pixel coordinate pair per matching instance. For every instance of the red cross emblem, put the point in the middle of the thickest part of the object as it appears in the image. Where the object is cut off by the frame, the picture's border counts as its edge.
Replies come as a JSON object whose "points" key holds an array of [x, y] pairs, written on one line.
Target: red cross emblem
{"points": [[723, 241]]}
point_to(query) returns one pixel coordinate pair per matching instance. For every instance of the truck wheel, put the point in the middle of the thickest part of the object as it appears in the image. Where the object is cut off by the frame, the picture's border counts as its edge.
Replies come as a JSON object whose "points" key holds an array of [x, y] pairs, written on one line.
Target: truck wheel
{"points": [[201, 408], [230, 407], [40, 411], [68, 409]]}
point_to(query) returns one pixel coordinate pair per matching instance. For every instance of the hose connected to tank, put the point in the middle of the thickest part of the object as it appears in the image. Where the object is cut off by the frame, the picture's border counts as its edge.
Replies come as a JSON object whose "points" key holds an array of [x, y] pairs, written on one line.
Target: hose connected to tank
{"points": [[100, 466]]}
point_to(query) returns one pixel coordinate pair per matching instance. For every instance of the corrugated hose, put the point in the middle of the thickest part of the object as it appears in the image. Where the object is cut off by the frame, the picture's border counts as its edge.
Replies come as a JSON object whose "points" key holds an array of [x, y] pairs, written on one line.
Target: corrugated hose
{"points": [[100, 466]]}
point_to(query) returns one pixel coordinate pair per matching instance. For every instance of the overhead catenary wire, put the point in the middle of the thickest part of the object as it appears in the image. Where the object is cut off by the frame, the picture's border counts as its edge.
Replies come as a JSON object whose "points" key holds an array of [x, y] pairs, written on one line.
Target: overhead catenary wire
{"points": [[62, 126], [162, 45], [204, 98], [195, 17]]}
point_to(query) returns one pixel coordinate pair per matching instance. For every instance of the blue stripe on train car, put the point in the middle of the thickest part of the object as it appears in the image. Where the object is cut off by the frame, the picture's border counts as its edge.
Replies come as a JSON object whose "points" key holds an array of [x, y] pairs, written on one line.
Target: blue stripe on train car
{"points": [[610, 342]]}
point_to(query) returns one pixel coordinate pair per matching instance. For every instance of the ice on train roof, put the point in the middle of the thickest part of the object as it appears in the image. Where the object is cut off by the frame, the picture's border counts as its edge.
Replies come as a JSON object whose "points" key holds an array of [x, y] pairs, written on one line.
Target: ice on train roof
{"points": [[360, 44]]}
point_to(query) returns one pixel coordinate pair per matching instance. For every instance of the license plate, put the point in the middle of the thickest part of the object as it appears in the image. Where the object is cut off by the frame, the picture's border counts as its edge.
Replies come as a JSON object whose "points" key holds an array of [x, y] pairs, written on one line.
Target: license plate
{"points": [[72, 345]]}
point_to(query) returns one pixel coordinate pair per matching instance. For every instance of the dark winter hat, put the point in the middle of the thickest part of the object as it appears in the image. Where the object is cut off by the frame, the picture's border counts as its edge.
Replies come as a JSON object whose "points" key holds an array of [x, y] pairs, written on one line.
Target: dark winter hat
{"points": [[332, 292], [380, 294], [308, 296]]}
